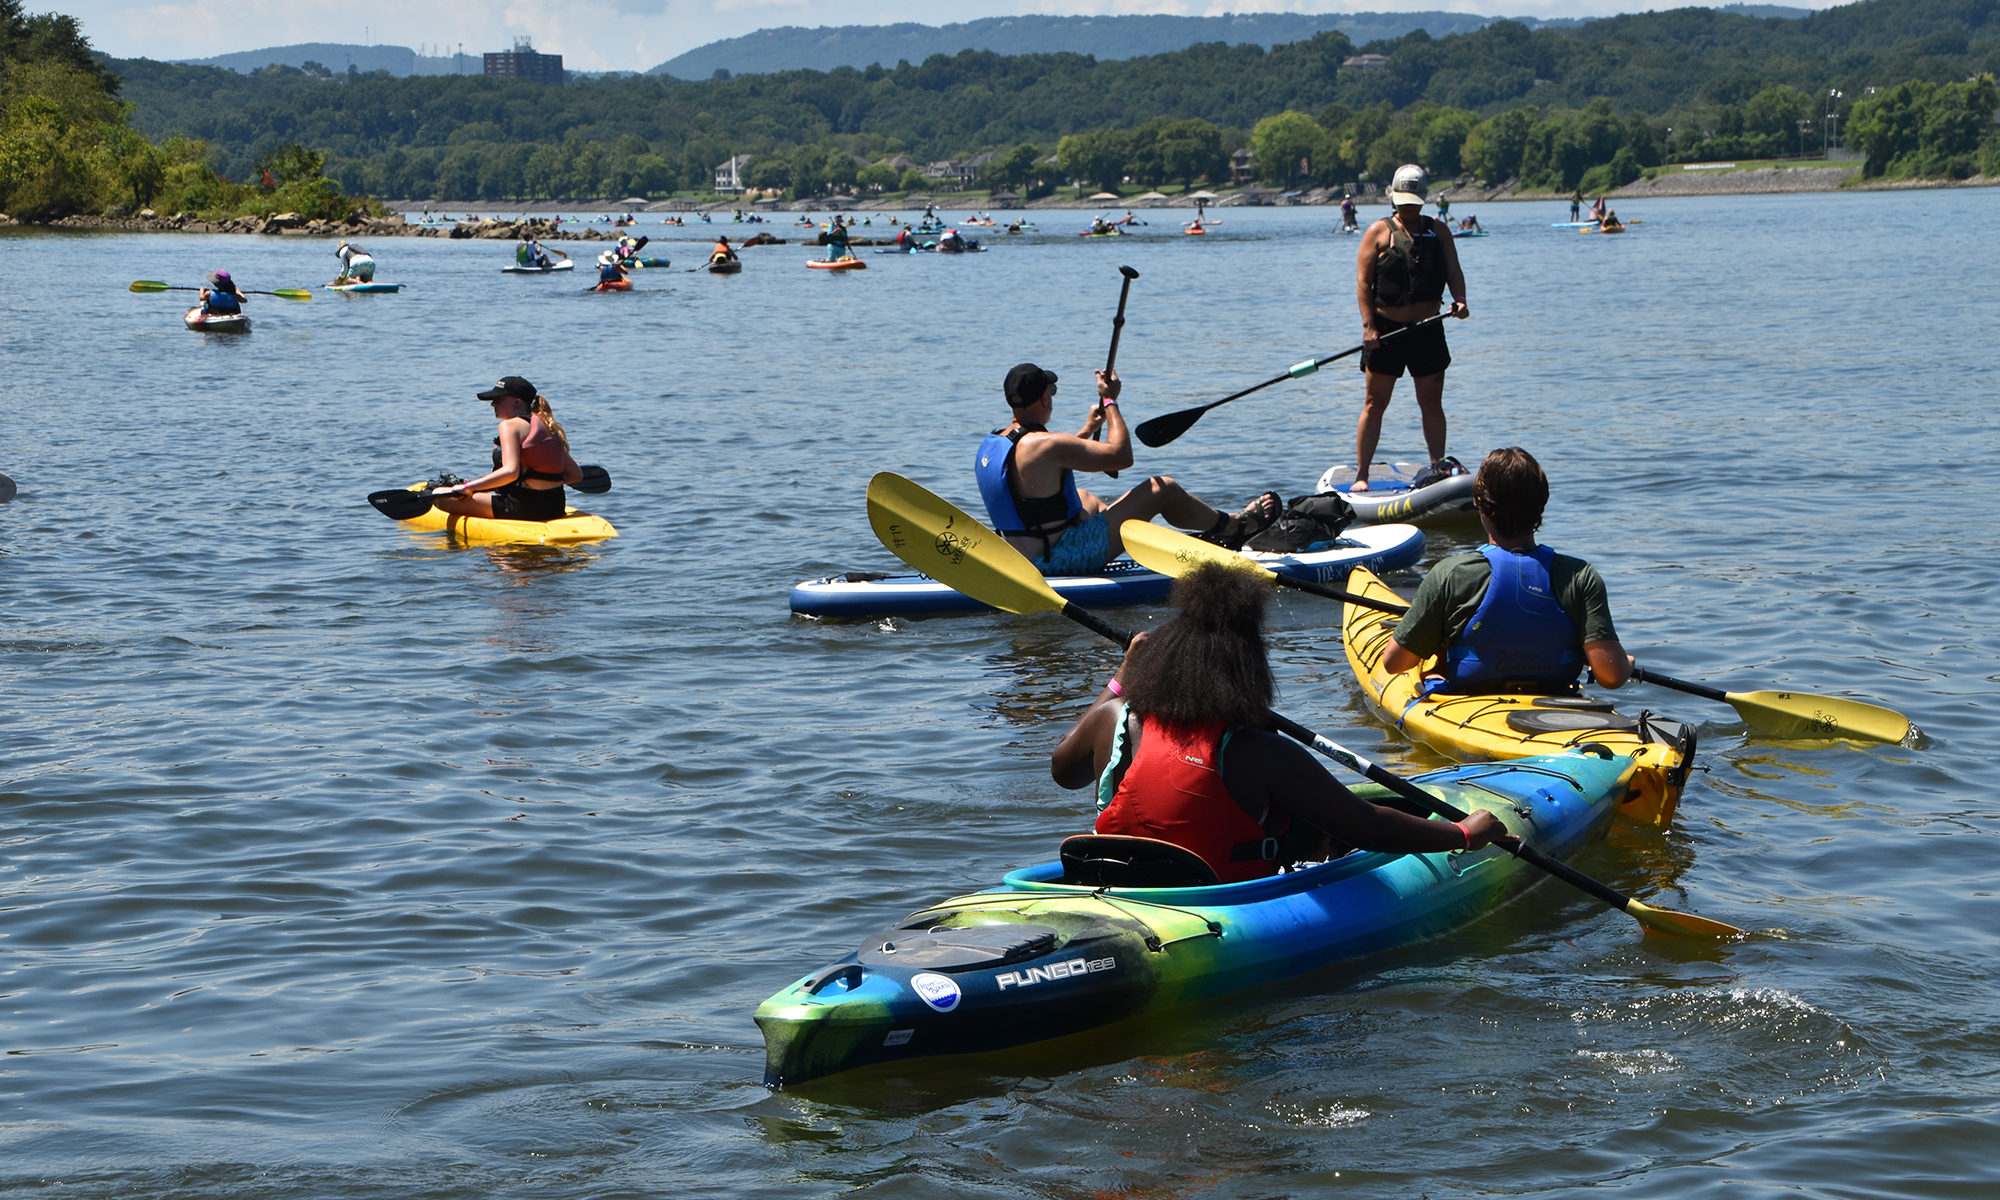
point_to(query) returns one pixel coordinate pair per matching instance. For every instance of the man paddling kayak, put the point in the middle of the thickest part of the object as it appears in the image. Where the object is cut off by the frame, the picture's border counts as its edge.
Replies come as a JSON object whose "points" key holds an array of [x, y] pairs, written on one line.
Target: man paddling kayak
{"points": [[1511, 616], [531, 461], [1178, 747], [722, 253], [528, 252], [1405, 262], [1027, 476]]}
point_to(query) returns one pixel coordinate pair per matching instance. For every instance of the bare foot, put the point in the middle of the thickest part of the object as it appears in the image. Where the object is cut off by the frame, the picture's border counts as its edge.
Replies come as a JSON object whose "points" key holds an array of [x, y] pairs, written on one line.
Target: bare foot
{"points": [[1359, 485]]}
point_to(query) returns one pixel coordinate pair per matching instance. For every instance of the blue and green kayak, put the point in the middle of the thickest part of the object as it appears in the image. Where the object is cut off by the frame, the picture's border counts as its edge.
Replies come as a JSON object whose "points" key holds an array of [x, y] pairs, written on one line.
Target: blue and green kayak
{"points": [[1039, 958]]}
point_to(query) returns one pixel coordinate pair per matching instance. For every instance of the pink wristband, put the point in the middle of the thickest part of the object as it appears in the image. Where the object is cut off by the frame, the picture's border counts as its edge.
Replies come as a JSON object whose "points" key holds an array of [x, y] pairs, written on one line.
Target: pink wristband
{"points": [[1464, 833], [1111, 685]]}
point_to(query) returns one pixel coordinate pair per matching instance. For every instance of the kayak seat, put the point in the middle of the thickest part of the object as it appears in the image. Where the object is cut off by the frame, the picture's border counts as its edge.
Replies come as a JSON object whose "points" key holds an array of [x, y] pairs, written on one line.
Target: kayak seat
{"points": [[946, 948], [1109, 860], [1566, 720]]}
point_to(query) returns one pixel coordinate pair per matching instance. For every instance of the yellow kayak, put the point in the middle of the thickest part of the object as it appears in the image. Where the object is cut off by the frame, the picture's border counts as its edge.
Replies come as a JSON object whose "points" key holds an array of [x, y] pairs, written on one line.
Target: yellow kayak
{"points": [[572, 526], [1471, 728]]}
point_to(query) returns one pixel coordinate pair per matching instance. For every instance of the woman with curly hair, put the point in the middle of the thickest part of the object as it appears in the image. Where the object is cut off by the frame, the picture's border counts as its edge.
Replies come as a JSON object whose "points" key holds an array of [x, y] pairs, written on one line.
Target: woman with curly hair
{"points": [[1179, 746]]}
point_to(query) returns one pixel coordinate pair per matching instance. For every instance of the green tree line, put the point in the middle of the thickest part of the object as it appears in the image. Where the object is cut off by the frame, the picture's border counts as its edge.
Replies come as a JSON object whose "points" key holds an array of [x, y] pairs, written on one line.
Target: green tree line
{"points": [[67, 145], [1546, 106]]}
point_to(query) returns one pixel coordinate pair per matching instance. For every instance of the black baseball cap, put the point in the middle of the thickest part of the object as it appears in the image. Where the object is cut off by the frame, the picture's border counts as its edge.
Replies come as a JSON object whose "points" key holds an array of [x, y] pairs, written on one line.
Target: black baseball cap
{"points": [[512, 385], [1027, 384]]}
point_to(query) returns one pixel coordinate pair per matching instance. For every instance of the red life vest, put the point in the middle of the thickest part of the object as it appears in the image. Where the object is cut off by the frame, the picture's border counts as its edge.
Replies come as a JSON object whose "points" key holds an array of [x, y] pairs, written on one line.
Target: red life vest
{"points": [[1173, 791]]}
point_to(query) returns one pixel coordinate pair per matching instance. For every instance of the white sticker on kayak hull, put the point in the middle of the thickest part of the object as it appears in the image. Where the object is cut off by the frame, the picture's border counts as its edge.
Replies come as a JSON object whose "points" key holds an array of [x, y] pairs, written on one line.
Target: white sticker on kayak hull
{"points": [[939, 991]]}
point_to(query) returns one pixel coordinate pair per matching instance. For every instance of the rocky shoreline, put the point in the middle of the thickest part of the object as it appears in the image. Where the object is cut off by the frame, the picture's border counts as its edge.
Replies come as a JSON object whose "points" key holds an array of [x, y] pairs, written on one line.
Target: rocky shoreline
{"points": [[1721, 182]]}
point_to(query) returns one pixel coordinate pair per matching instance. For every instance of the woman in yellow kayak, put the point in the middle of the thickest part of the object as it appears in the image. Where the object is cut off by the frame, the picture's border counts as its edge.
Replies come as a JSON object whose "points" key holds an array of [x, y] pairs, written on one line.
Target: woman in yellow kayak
{"points": [[1178, 747], [531, 461]]}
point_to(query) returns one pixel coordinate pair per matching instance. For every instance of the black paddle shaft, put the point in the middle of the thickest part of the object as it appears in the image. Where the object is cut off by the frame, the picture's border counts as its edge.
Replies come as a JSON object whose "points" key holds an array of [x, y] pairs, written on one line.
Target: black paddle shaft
{"points": [[1117, 327], [1163, 429]]}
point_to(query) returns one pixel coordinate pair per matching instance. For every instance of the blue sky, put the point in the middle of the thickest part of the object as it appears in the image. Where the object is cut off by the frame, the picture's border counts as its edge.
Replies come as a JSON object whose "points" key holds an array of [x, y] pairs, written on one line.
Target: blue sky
{"points": [[632, 35]]}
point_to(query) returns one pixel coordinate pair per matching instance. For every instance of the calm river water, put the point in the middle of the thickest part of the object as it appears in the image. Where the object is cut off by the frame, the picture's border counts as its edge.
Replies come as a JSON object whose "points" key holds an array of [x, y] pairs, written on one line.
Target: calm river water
{"points": [[342, 862]]}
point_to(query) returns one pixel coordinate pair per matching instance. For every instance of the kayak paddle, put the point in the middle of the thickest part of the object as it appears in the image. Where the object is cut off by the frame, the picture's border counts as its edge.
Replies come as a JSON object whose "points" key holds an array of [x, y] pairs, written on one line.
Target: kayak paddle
{"points": [[1796, 714], [943, 542], [1163, 429], [154, 285], [407, 504], [1771, 714], [1173, 553]]}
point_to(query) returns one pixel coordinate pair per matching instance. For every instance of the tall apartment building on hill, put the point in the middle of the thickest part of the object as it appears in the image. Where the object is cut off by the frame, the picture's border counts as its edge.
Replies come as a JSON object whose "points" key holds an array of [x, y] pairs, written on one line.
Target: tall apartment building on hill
{"points": [[523, 63]]}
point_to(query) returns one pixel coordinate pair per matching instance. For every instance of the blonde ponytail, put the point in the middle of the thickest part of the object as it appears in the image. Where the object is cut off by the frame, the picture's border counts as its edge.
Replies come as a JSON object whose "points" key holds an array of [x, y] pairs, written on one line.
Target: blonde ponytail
{"points": [[539, 406]]}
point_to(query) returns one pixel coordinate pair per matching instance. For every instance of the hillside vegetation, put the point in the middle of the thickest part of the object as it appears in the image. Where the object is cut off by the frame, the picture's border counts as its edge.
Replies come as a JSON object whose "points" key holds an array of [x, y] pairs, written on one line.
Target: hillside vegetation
{"points": [[66, 146], [1593, 105]]}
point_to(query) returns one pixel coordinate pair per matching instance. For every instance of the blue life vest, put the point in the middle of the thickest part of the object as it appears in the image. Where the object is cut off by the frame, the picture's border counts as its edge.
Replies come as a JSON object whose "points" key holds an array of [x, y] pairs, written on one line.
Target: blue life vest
{"points": [[1043, 516], [1519, 639], [609, 273], [221, 302]]}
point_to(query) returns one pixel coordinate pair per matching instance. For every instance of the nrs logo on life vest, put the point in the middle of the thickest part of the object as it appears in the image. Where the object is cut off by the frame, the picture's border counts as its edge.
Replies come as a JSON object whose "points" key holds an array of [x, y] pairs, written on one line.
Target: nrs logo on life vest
{"points": [[939, 991], [1063, 970]]}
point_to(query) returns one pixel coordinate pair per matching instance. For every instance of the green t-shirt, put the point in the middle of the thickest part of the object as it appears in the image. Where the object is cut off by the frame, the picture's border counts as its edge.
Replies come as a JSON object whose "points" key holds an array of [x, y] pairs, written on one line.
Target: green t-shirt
{"points": [[1451, 593]]}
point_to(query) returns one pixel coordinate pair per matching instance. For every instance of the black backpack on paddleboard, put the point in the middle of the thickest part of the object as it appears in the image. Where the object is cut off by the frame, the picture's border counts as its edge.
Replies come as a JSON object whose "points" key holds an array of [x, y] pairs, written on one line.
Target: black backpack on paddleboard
{"points": [[1309, 523]]}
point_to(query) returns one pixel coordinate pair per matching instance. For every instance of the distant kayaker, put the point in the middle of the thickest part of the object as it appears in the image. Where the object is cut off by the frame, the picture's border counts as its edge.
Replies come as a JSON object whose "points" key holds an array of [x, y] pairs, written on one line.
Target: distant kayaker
{"points": [[1609, 221], [1537, 632], [1405, 262], [222, 296], [531, 461], [356, 264], [1444, 208], [951, 242], [1197, 765], [610, 268], [723, 252], [1575, 205], [1027, 478], [1348, 220], [836, 241], [529, 253]]}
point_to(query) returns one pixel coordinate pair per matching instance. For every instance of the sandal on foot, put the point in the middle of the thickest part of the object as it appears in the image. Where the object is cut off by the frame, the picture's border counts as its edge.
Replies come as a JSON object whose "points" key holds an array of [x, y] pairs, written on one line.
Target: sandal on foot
{"points": [[1232, 531]]}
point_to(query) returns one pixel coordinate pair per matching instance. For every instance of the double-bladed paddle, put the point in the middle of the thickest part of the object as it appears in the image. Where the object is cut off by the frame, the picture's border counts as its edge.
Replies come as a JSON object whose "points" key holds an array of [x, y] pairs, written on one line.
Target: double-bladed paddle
{"points": [[938, 539], [407, 504], [1769, 714], [1797, 714], [1163, 429], [154, 285]]}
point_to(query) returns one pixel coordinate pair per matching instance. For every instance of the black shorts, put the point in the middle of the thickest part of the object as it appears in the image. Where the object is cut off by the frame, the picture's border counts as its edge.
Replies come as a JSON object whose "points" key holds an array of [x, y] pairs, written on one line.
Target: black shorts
{"points": [[516, 502], [1421, 352]]}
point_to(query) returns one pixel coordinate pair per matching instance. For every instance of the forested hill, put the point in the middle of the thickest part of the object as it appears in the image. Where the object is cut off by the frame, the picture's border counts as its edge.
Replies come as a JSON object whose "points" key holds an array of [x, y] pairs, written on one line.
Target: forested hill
{"points": [[794, 47], [1697, 70], [339, 57]]}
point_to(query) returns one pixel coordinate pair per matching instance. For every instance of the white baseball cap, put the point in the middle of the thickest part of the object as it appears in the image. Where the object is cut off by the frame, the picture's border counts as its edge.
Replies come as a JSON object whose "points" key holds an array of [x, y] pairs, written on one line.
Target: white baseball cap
{"points": [[1410, 185]]}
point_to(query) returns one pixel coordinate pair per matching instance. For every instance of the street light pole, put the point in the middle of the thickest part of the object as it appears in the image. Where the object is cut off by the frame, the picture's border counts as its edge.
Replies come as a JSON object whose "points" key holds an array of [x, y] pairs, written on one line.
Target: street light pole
{"points": [[1832, 116]]}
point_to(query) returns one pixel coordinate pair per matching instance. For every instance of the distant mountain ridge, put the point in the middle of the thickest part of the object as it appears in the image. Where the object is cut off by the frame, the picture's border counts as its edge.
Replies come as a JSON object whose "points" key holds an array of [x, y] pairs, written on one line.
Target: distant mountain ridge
{"points": [[400, 61], [794, 47]]}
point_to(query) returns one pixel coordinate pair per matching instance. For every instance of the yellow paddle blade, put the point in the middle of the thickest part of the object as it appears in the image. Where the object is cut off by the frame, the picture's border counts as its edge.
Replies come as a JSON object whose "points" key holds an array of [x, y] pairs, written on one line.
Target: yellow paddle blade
{"points": [[1174, 554], [150, 285], [292, 294], [939, 539], [1660, 920], [1792, 715]]}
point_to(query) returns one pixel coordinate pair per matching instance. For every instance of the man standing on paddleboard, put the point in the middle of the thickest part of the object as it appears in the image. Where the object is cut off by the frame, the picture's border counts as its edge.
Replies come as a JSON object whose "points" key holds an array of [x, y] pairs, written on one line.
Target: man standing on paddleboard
{"points": [[1406, 261], [1027, 476]]}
